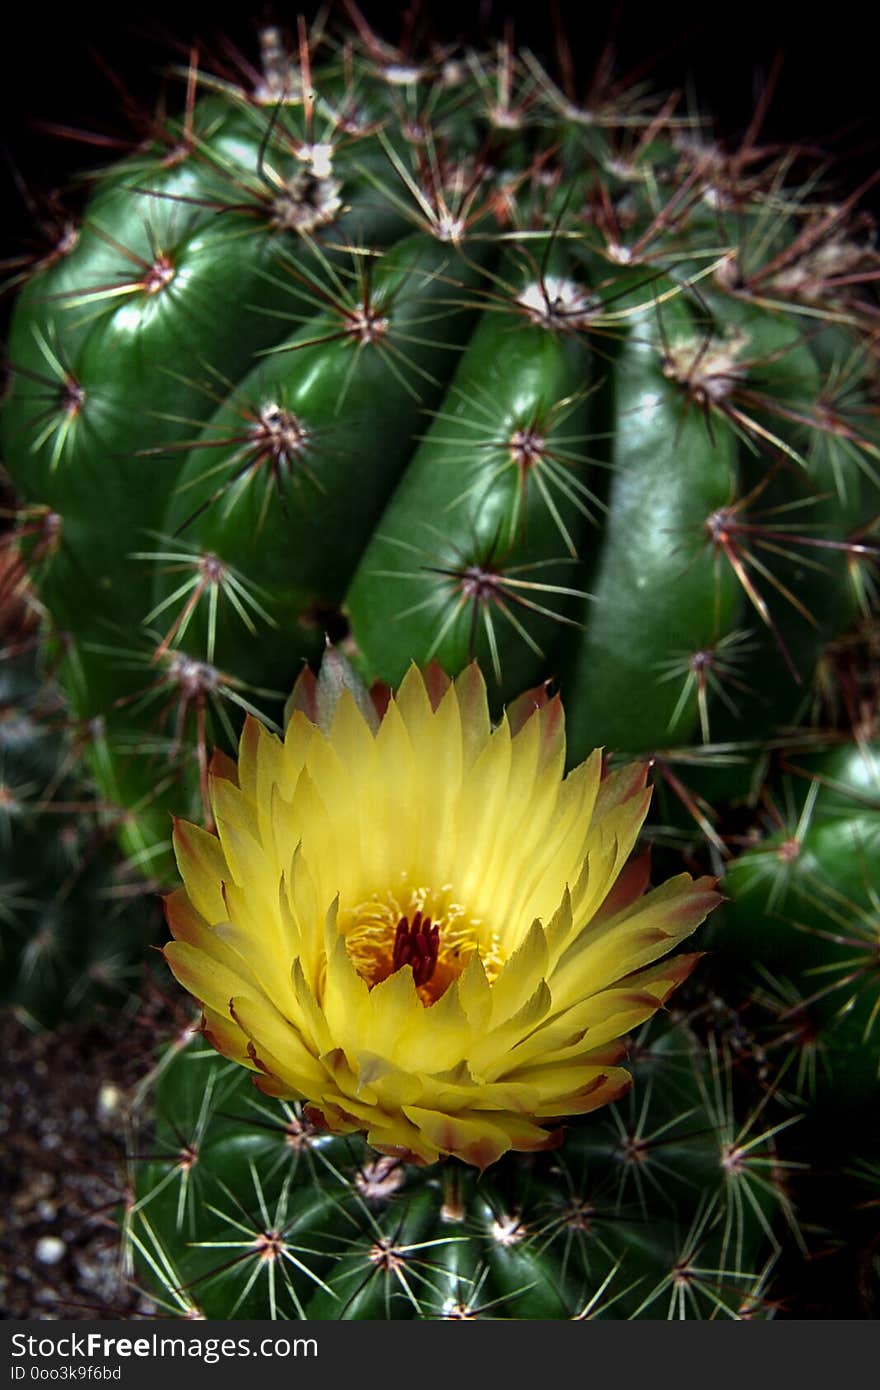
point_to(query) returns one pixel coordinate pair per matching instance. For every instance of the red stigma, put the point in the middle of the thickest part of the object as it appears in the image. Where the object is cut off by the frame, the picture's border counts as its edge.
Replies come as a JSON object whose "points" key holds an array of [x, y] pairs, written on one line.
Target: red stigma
{"points": [[416, 946]]}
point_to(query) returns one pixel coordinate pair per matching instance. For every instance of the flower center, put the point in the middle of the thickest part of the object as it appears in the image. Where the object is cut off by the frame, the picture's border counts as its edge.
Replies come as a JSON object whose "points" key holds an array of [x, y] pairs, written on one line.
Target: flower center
{"points": [[417, 946], [424, 929]]}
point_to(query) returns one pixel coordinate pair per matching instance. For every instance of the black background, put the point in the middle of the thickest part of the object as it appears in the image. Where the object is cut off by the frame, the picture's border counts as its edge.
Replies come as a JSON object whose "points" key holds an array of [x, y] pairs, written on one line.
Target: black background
{"points": [[56, 65]]}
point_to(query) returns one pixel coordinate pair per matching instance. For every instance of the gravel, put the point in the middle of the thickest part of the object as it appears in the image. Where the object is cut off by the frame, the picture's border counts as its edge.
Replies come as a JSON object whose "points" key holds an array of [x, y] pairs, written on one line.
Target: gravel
{"points": [[63, 1163]]}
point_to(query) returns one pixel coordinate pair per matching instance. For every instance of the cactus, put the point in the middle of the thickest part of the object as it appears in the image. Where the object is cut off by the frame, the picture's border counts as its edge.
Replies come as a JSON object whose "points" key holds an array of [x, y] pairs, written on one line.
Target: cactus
{"points": [[429, 360], [426, 358]]}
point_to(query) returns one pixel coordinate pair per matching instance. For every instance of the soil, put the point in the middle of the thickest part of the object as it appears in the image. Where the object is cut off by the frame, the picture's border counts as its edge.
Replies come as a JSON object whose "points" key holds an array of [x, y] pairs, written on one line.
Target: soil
{"points": [[64, 1161]]}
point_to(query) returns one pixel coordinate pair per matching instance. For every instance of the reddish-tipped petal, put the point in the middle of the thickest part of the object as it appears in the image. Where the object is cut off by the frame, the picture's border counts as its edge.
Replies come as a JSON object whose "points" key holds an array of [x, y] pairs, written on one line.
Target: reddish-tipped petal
{"points": [[620, 785], [478, 1142], [525, 705], [225, 1035], [629, 887], [222, 766], [380, 695], [304, 697], [436, 683]]}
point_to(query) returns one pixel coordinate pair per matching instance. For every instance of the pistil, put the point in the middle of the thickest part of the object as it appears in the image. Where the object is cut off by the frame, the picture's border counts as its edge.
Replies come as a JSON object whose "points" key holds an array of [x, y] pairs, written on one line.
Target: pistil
{"points": [[416, 945]]}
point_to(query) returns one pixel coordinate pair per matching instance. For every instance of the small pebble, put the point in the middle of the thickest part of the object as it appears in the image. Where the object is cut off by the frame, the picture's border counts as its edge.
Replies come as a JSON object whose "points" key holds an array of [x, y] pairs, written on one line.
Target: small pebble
{"points": [[109, 1098], [49, 1250]]}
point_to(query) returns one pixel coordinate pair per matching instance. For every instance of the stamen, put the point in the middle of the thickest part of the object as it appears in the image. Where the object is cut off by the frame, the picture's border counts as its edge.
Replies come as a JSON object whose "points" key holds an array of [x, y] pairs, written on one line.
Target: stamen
{"points": [[424, 928]]}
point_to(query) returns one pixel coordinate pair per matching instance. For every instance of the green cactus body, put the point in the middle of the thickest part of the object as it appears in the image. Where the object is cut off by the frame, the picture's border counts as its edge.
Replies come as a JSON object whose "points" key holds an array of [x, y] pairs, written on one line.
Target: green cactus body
{"points": [[333, 364]]}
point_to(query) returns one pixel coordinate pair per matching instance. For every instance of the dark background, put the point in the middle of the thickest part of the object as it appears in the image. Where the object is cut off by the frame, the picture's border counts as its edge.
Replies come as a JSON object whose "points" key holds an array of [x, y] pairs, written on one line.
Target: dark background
{"points": [[56, 64]]}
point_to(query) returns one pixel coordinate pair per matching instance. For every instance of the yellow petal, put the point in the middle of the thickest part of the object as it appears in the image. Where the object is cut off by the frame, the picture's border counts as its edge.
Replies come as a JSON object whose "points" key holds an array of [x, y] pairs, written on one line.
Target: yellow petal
{"points": [[202, 867], [277, 1044], [476, 1141], [213, 984]]}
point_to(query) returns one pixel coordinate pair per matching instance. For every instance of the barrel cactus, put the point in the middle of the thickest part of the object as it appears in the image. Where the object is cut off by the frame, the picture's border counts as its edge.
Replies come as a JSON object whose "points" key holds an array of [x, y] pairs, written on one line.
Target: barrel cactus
{"points": [[429, 361]]}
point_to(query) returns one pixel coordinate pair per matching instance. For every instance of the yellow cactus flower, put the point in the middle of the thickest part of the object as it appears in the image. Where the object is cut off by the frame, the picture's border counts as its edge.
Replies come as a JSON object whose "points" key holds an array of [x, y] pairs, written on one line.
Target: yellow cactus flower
{"points": [[420, 926]]}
